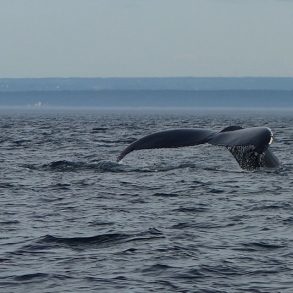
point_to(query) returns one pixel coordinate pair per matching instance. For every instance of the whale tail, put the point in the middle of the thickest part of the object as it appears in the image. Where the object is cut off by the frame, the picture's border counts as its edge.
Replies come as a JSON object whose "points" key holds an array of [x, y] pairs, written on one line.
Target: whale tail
{"points": [[174, 138], [249, 146]]}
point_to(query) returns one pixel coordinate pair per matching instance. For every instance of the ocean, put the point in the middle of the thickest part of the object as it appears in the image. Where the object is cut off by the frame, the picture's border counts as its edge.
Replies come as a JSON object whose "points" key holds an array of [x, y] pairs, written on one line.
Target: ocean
{"points": [[175, 220]]}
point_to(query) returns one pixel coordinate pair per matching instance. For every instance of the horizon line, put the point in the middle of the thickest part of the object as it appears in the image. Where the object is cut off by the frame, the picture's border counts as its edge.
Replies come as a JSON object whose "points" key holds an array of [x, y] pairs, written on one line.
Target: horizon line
{"points": [[151, 77]]}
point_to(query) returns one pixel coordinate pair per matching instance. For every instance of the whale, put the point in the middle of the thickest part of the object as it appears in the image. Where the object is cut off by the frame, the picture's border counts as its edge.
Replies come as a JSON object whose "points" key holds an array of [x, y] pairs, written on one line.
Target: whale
{"points": [[249, 146]]}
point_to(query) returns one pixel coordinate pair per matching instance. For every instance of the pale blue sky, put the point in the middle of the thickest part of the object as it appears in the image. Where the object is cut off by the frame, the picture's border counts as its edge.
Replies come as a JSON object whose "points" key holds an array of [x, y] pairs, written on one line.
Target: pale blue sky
{"points": [[105, 38]]}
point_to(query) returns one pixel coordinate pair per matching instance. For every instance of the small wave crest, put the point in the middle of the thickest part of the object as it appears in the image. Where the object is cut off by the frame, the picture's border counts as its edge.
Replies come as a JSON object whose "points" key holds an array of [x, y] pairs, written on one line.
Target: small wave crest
{"points": [[262, 245], [75, 241], [71, 166], [96, 241], [38, 276]]}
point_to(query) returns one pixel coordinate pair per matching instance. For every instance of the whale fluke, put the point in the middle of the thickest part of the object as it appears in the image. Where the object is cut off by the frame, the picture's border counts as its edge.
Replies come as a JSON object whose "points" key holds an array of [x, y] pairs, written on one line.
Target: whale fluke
{"points": [[249, 146]]}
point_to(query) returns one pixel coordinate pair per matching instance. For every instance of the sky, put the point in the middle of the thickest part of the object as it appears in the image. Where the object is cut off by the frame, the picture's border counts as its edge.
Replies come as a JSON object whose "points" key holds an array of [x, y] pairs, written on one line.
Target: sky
{"points": [[146, 38]]}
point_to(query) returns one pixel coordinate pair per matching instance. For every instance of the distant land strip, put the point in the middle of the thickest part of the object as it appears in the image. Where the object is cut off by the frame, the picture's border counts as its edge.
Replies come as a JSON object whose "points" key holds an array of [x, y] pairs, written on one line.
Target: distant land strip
{"points": [[152, 83], [148, 98]]}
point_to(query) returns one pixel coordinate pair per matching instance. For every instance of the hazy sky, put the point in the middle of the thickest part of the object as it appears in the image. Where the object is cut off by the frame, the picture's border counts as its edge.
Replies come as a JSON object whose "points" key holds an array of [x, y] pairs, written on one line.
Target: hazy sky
{"points": [[102, 38]]}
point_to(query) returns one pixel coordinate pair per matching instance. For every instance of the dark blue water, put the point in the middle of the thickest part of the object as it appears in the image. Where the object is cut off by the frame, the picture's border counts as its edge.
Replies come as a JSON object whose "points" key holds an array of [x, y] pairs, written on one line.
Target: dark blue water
{"points": [[179, 220]]}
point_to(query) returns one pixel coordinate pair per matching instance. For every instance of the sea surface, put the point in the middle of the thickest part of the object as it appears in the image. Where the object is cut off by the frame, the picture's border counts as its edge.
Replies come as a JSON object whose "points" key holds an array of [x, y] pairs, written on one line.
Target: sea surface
{"points": [[72, 219]]}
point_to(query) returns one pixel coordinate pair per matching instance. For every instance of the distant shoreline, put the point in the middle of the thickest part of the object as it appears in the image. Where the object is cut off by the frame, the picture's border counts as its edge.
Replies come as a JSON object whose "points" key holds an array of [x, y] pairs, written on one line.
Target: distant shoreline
{"points": [[148, 83], [149, 98]]}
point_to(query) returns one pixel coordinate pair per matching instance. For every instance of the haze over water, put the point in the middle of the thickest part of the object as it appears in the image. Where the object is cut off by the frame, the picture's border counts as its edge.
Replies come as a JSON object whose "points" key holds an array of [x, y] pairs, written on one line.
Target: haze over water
{"points": [[177, 220]]}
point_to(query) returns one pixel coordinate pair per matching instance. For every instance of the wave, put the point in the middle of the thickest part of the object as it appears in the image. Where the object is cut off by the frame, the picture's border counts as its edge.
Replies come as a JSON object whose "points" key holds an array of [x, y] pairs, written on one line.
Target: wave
{"points": [[163, 194], [272, 206], [80, 241], [96, 241], [6, 185], [33, 277], [158, 268], [191, 209], [39, 276], [103, 166], [71, 166], [262, 245], [112, 166], [99, 129]]}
